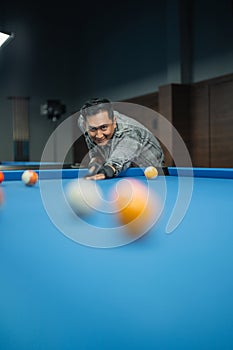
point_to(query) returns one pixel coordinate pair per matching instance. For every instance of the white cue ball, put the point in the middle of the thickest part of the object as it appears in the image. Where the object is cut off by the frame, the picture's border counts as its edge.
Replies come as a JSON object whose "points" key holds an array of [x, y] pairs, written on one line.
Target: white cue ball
{"points": [[84, 196]]}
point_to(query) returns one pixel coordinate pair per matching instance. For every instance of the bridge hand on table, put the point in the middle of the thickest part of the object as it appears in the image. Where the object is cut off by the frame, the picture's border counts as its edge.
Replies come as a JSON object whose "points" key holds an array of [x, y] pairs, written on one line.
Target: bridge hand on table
{"points": [[95, 177]]}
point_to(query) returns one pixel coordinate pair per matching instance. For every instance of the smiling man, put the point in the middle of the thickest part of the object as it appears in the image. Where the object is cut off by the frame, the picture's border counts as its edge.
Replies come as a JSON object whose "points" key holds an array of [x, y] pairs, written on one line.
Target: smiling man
{"points": [[115, 141]]}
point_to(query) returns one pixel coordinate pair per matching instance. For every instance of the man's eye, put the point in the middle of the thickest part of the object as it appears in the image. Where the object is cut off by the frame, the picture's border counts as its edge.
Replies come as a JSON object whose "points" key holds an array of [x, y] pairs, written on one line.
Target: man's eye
{"points": [[104, 127]]}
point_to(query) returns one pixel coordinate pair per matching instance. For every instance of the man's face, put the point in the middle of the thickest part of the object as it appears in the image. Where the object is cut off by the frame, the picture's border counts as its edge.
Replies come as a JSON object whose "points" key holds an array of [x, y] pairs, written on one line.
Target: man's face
{"points": [[100, 127]]}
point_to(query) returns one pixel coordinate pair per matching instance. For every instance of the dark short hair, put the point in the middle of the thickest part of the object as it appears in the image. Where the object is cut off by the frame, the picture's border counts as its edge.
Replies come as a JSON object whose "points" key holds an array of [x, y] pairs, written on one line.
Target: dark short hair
{"points": [[96, 105]]}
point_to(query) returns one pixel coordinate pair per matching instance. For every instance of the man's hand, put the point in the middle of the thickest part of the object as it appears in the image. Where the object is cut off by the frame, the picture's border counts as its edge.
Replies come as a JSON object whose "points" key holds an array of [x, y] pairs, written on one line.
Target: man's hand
{"points": [[105, 172], [94, 165], [95, 177]]}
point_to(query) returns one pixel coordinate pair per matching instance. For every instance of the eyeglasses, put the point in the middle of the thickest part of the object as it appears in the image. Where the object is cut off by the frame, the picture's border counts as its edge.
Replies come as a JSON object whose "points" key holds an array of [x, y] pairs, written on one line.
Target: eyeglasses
{"points": [[103, 127]]}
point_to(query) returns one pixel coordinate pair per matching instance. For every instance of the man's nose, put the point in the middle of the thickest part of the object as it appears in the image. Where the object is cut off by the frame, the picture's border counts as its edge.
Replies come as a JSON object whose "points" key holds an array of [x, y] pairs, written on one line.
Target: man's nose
{"points": [[99, 133]]}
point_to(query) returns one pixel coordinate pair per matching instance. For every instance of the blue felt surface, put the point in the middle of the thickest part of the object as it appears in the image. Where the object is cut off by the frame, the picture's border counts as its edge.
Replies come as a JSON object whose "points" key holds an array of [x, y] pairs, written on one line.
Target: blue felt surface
{"points": [[159, 292]]}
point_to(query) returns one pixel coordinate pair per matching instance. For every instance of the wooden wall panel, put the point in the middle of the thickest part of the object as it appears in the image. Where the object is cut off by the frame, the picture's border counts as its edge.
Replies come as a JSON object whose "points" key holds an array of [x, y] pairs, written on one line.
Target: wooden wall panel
{"points": [[181, 111], [199, 126], [149, 100], [174, 106], [221, 124], [166, 110]]}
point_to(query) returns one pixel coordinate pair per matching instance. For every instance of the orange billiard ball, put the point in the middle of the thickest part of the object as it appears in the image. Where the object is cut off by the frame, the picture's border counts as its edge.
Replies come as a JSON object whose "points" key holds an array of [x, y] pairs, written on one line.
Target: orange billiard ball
{"points": [[29, 177], [1, 177], [151, 172], [136, 208]]}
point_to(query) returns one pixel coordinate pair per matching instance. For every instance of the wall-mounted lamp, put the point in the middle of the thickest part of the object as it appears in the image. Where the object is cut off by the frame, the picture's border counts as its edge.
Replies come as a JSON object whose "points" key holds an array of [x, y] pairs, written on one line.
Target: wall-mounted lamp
{"points": [[5, 38], [54, 109]]}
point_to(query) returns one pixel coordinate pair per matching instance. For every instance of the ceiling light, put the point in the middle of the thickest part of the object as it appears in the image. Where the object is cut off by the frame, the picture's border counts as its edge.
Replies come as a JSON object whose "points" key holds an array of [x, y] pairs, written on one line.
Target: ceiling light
{"points": [[5, 37]]}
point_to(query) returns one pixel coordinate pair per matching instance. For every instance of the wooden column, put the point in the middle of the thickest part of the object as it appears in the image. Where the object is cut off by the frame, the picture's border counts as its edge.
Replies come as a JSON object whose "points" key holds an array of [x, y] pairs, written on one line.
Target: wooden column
{"points": [[174, 106]]}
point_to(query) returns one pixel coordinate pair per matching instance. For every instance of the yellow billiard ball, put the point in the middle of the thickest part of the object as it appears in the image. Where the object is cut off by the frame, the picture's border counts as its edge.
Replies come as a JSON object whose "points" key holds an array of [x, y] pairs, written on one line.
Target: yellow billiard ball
{"points": [[151, 172]]}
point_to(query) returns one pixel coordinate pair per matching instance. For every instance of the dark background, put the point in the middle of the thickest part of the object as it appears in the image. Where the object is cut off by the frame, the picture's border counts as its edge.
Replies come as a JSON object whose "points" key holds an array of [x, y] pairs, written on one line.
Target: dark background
{"points": [[120, 50]]}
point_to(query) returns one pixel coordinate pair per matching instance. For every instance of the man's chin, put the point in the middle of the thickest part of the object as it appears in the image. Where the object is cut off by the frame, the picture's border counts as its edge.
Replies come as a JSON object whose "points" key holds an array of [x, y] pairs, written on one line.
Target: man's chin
{"points": [[101, 143]]}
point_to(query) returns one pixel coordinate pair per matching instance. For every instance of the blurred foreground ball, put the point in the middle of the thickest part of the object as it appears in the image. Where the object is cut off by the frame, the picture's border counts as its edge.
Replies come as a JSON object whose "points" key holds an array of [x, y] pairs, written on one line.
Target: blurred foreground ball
{"points": [[137, 208], [84, 196]]}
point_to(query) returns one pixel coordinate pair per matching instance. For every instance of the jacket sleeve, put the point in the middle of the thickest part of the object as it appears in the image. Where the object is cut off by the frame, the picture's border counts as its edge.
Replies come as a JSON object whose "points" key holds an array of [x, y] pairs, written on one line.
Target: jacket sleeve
{"points": [[142, 150], [125, 149]]}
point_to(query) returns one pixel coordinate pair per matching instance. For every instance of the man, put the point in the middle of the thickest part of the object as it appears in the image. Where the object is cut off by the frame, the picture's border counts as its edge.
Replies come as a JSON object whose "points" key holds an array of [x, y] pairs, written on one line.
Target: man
{"points": [[115, 141]]}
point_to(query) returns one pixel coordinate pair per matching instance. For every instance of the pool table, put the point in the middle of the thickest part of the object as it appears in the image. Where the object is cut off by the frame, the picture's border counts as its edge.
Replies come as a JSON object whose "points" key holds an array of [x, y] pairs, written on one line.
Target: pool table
{"points": [[169, 289]]}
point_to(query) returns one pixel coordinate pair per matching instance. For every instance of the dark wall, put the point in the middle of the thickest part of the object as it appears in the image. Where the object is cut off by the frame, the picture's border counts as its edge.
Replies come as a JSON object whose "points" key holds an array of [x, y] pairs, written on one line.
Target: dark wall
{"points": [[212, 44], [76, 50], [122, 49], [80, 49]]}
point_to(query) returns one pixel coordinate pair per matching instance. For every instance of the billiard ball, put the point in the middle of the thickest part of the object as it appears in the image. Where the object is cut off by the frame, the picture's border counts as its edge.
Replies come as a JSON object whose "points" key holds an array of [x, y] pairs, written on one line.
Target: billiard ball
{"points": [[151, 172], [29, 177], [136, 208], [1, 177], [83, 196]]}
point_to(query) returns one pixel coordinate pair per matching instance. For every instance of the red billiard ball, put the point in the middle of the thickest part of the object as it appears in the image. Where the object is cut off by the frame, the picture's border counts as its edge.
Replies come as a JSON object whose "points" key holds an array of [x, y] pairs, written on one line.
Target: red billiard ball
{"points": [[1, 177]]}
